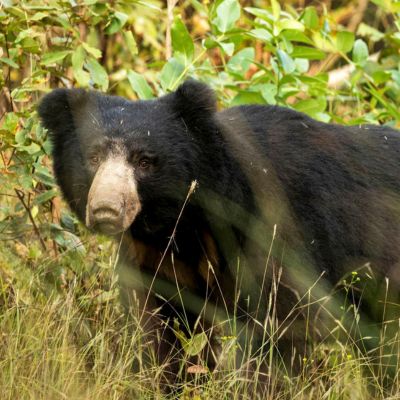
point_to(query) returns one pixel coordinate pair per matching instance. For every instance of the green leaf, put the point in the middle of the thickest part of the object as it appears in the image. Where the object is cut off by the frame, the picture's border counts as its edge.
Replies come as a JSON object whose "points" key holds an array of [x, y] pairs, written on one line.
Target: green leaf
{"points": [[247, 98], [268, 92], [130, 42], [261, 34], [296, 36], [139, 85], [52, 58], [228, 48], [286, 61], [46, 196], [45, 177], [344, 41], [17, 11], [196, 344], [20, 137], [78, 57], [380, 77], [39, 16], [302, 65], [40, 133], [26, 181], [21, 94], [193, 345], [78, 60], [97, 73], [118, 20], [30, 45], [228, 12], [67, 221], [82, 77], [370, 32], [241, 61], [388, 5], [276, 9], [292, 24], [260, 13], [210, 43], [47, 147], [311, 107], [181, 40], [33, 148], [378, 96], [9, 62], [310, 18], [307, 52], [96, 53], [34, 211], [67, 239], [11, 123], [360, 52], [171, 74]]}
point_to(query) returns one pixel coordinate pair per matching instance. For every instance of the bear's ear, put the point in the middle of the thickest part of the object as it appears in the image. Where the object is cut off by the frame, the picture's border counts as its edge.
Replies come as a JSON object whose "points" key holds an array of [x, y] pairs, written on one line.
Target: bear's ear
{"points": [[60, 111], [194, 101], [56, 109]]}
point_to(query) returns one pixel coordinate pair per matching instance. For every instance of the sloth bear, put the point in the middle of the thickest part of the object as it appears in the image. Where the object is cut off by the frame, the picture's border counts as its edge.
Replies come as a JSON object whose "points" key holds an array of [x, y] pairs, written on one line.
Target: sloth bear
{"points": [[254, 214]]}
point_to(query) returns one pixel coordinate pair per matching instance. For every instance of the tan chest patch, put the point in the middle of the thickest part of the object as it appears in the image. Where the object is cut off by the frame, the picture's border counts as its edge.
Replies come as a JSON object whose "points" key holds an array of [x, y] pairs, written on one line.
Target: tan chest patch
{"points": [[175, 270]]}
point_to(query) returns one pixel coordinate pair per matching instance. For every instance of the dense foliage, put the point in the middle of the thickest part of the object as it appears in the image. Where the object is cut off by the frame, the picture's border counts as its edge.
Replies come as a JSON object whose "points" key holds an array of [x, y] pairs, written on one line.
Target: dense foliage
{"points": [[255, 53]]}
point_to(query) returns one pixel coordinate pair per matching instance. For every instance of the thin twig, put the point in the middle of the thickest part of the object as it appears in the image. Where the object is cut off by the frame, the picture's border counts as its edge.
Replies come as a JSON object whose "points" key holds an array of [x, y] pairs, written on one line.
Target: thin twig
{"points": [[55, 218], [7, 194], [8, 78], [21, 195], [172, 237], [4, 160], [11, 156]]}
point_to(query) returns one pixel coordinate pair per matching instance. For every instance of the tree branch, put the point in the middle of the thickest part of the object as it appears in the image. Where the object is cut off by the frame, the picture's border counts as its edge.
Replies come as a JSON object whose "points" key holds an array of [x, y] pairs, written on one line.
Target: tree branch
{"points": [[21, 196]]}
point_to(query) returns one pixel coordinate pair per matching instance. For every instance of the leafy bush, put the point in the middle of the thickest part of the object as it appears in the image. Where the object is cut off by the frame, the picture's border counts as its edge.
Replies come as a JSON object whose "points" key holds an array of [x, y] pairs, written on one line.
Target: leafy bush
{"points": [[269, 55]]}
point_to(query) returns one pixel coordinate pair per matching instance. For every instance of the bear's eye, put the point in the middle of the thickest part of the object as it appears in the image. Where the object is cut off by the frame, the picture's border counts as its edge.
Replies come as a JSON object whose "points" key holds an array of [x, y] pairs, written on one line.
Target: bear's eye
{"points": [[144, 163], [94, 159]]}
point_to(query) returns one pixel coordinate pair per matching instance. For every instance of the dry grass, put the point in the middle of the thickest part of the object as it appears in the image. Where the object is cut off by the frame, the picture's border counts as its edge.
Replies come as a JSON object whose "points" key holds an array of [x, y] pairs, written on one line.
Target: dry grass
{"points": [[70, 339]]}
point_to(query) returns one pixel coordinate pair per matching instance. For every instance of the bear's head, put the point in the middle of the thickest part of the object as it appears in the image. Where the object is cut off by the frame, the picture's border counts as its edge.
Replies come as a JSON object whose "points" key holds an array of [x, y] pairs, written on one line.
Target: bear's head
{"points": [[119, 162]]}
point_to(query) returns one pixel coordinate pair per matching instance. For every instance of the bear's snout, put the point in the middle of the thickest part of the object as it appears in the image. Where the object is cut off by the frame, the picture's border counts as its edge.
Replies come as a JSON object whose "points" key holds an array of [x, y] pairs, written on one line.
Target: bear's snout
{"points": [[106, 211], [113, 201], [106, 217]]}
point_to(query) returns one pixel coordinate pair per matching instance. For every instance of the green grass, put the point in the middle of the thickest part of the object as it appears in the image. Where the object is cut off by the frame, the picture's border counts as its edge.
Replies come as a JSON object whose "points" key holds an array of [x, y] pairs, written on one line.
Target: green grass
{"points": [[64, 335]]}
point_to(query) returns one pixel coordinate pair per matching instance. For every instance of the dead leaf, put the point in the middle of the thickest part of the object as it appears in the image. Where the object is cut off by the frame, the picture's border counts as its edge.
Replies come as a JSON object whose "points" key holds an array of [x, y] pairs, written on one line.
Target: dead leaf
{"points": [[197, 369]]}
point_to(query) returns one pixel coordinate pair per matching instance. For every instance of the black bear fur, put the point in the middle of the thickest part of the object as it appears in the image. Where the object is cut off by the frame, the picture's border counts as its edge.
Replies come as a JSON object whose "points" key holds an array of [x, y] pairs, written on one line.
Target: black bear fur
{"points": [[317, 200]]}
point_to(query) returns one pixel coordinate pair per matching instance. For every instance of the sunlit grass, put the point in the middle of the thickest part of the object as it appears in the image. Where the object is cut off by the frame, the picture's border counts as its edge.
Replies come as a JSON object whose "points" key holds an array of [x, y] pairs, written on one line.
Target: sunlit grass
{"points": [[70, 339]]}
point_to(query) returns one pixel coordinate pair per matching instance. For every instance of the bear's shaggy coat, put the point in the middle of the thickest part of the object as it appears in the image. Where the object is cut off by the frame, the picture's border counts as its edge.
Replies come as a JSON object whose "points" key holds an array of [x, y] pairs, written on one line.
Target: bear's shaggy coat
{"points": [[282, 204]]}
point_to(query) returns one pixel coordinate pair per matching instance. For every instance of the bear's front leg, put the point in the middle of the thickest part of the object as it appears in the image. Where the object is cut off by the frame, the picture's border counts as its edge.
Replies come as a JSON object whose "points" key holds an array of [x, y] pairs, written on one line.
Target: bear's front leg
{"points": [[159, 347]]}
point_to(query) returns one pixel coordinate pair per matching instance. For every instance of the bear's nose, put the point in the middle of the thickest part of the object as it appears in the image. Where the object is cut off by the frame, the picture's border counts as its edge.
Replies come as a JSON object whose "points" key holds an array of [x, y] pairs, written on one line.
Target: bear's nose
{"points": [[113, 201], [105, 217], [106, 212]]}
